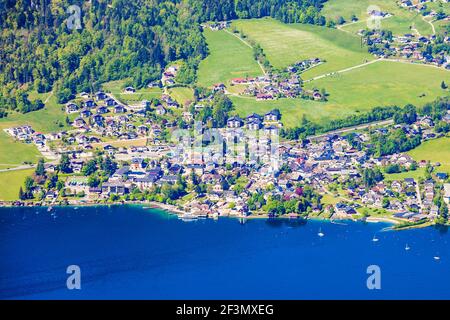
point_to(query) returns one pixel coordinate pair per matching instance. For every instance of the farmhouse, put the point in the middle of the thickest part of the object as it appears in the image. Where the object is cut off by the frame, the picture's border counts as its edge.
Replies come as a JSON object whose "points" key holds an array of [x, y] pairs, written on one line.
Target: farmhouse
{"points": [[234, 122], [273, 115]]}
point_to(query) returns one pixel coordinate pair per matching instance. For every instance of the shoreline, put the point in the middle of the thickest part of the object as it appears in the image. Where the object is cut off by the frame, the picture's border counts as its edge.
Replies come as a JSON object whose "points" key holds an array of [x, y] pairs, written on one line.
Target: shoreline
{"points": [[176, 210]]}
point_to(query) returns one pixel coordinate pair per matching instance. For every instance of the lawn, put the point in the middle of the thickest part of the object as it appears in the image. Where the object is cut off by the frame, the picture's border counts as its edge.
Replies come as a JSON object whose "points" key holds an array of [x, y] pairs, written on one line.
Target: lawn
{"points": [[437, 150], [182, 95], [10, 183], [116, 89], [228, 58], [379, 84], [50, 119], [400, 23], [285, 44], [415, 174]]}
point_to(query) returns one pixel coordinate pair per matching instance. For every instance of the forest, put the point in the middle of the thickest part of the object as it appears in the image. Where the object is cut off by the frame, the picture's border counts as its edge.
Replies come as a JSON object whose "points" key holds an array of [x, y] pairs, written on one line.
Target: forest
{"points": [[47, 45]]}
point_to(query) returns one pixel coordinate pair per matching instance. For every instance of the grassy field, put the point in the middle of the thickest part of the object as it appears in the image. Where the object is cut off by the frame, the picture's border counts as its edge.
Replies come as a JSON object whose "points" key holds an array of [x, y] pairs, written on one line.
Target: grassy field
{"points": [[416, 174], [379, 84], [182, 95], [285, 44], [116, 88], [437, 150], [50, 119], [10, 183], [400, 23], [228, 58]]}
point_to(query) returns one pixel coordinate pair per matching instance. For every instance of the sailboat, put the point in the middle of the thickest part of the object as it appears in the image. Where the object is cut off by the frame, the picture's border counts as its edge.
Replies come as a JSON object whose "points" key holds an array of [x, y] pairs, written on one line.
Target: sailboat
{"points": [[375, 239], [320, 233], [407, 247]]}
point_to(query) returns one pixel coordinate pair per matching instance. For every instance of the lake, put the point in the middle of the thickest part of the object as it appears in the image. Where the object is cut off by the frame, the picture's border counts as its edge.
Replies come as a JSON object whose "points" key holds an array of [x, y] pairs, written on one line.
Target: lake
{"points": [[128, 252]]}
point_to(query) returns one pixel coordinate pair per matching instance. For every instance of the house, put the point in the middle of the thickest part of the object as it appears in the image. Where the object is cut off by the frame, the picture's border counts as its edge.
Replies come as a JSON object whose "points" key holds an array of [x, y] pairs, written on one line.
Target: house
{"points": [[146, 182], [254, 125], [102, 110], [442, 176], [343, 209], [114, 188], [219, 87], [234, 122], [89, 103], [169, 179], [137, 164], [98, 119], [239, 81], [264, 96], [160, 110], [119, 109], [85, 113], [71, 108], [129, 90], [100, 95], [271, 130], [317, 95], [110, 102], [447, 193], [254, 117], [273, 115], [78, 122]]}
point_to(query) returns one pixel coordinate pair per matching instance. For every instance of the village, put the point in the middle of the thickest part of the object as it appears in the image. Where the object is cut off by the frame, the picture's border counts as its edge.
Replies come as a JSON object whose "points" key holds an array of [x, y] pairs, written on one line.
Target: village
{"points": [[414, 47], [242, 169]]}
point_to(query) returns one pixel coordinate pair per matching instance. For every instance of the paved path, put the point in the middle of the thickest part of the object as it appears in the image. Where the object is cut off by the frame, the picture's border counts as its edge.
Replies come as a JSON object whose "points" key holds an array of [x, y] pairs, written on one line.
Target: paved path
{"points": [[21, 167], [344, 130], [371, 62], [344, 70], [430, 23], [248, 45]]}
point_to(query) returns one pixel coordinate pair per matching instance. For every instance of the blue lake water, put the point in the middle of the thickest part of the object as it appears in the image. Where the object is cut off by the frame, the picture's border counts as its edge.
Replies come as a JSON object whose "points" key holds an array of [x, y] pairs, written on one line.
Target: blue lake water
{"points": [[127, 252]]}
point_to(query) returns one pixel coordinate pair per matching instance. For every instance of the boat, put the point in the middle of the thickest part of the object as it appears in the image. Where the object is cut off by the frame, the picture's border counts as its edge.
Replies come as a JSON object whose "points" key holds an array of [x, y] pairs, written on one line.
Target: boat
{"points": [[320, 233], [407, 247], [437, 258], [375, 239], [188, 217], [49, 209], [76, 208]]}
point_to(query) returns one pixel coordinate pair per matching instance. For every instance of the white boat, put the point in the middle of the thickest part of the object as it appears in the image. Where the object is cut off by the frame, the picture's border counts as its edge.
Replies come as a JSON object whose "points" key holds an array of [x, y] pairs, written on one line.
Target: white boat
{"points": [[188, 217], [437, 258], [49, 209], [320, 233], [375, 239], [407, 247]]}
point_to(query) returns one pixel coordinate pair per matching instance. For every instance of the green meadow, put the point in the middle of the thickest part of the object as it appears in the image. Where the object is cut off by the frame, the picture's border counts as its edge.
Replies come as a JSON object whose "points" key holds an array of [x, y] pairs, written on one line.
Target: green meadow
{"points": [[49, 119], [10, 183], [116, 88], [359, 90], [437, 150], [400, 23], [183, 95], [285, 44], [228, 58]]}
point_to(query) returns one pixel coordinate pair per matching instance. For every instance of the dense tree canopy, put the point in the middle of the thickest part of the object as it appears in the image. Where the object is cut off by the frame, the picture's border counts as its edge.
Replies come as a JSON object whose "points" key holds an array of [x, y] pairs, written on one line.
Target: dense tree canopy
{"points": [[43, 49]]}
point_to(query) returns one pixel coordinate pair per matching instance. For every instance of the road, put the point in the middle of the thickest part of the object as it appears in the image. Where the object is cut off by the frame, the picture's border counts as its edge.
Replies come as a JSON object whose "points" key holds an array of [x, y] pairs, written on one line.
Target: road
{"points": [[21, 167], [344, 70], [348, 129]]}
